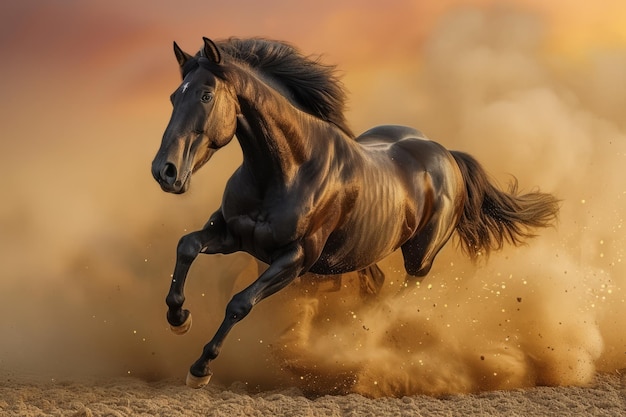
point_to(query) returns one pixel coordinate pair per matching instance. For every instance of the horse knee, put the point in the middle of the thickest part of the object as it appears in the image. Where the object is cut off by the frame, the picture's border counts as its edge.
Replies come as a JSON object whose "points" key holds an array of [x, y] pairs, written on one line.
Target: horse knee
{"points": [[188, 247]]}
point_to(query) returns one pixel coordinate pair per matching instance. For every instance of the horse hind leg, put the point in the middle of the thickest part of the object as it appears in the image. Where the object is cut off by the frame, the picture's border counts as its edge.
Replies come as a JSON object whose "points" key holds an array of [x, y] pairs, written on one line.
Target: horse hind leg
{"points": [[371, 280], [420, 251]]}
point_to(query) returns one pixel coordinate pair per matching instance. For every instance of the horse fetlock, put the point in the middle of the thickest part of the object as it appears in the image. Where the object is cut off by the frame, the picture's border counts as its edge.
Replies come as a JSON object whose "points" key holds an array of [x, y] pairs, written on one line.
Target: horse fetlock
{"points": [[175, 301], [210, 351]]}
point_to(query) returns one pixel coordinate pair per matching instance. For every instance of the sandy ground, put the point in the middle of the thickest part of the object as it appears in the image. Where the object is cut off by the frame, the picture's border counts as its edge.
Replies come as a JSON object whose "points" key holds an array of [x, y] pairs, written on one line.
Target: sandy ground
{"points": [[35, 396]]}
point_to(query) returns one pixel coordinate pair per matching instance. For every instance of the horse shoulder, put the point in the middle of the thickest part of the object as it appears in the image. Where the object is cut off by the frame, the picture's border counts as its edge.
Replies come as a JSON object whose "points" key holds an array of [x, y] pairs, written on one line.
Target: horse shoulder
{"points": [[263, 219]]}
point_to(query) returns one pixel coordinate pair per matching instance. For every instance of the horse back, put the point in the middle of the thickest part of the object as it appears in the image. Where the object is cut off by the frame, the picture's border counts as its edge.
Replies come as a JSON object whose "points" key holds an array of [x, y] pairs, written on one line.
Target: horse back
{"points": [[388, 134], [410, 151]]}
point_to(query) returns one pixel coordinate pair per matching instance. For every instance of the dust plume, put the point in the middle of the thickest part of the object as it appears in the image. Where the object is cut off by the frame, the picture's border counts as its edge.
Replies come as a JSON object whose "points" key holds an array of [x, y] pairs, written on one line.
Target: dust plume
{"points": [[550, 313], [88, 299]]}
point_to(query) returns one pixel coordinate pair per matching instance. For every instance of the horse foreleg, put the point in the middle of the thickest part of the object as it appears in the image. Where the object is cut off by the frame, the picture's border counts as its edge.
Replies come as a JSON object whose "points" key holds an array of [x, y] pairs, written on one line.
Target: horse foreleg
{"points": [[213, 238], [282, 271]]}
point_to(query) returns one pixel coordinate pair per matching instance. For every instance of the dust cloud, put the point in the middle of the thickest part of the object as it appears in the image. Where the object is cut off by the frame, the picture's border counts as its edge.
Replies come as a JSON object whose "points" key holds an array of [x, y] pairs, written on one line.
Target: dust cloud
{"points": [[550, 313], [484, 82]]}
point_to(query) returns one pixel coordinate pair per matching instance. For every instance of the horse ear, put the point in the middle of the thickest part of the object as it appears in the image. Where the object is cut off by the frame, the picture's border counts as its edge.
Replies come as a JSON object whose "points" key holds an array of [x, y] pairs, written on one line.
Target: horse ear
{"points": [[181, 56], [211, 51]]}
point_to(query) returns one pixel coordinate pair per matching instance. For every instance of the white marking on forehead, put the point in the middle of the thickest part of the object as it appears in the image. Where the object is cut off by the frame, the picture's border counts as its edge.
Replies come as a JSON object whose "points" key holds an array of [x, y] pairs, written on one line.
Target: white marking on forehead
{"points": [[185, 87]]}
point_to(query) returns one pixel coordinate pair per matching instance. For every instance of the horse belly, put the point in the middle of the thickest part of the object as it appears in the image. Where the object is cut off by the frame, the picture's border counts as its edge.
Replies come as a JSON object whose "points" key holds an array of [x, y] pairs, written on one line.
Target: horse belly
{"points": [[374, 229], [352, 250]]}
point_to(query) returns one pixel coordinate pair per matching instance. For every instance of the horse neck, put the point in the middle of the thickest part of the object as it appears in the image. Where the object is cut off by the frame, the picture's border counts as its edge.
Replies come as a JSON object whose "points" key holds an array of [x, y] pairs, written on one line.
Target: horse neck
{"points": [[275, 136]]}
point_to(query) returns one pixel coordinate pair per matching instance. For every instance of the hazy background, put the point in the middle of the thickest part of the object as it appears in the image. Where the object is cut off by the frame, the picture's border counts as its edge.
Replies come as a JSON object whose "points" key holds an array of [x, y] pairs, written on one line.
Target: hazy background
{"points": [[87, 239]]}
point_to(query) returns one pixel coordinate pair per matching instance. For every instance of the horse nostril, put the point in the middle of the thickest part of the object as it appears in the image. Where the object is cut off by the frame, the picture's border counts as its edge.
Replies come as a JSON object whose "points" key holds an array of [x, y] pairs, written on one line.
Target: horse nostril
{"points": [[168, 173]]}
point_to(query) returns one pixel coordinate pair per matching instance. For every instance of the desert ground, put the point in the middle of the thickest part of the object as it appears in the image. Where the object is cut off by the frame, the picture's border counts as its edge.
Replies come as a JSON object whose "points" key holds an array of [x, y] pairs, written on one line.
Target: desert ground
{"points": [[34, 396]]}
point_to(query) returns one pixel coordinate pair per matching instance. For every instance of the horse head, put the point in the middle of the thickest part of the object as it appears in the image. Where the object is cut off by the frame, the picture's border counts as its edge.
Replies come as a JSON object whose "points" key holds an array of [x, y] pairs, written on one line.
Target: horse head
{"points": [[204, 118]]}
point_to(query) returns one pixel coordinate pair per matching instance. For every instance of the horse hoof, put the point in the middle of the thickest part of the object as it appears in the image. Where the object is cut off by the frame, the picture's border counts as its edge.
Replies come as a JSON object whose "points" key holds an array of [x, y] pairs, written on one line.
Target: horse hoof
{"points": [[183, 328], [197, 381]]}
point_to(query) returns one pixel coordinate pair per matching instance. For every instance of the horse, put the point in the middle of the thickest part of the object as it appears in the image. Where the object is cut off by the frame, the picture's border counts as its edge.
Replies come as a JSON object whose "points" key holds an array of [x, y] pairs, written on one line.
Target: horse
{"points": [[309, 195]]}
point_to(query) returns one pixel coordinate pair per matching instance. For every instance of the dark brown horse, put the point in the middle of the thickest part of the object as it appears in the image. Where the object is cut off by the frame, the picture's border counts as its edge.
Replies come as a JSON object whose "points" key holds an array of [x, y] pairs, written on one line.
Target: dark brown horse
{"points": [[309, 195]]}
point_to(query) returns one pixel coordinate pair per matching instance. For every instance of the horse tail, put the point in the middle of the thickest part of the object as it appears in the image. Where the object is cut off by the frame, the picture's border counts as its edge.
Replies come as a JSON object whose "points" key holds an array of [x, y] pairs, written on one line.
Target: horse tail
{"points": [[492, 217]]}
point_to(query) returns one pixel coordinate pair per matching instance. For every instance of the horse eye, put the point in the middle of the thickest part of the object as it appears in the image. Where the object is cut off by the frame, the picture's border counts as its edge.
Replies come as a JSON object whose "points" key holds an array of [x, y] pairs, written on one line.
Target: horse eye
{"points": [[206, 97]]}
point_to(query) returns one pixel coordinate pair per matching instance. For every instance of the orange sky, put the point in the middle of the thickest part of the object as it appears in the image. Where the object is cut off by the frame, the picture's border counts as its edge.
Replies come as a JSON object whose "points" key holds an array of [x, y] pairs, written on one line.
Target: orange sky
{"points": [[119, 45], [99, 74], [85, 86], [90, 33], [122, 50]]}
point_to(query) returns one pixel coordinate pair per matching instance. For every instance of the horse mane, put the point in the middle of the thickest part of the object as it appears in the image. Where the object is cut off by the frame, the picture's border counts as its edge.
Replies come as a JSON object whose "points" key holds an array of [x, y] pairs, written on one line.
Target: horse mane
{"points": [[313, 86]]}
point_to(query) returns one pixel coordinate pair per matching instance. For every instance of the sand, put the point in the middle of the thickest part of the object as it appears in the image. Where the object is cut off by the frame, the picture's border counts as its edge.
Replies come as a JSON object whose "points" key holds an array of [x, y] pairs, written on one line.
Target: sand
{"points": [[35, 396]]}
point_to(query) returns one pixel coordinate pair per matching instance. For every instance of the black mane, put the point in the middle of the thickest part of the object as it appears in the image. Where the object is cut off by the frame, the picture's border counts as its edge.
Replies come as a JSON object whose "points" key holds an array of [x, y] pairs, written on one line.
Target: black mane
{"points": [[313, 86]]}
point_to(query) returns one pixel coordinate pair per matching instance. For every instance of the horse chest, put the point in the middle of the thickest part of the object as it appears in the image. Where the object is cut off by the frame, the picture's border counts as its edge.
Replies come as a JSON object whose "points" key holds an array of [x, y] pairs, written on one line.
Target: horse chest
{"points": [[260, 233], [262, 219]]}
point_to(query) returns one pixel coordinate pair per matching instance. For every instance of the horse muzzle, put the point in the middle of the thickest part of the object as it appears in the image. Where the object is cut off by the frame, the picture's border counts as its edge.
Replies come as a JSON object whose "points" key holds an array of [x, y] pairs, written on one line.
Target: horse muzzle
{"points": [[170, 178]]}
